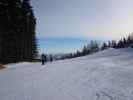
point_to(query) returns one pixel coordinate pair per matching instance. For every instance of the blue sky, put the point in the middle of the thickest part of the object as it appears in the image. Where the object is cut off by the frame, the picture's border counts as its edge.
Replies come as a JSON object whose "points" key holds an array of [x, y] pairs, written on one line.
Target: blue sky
{"points": [[61, 45], [72, 20]]}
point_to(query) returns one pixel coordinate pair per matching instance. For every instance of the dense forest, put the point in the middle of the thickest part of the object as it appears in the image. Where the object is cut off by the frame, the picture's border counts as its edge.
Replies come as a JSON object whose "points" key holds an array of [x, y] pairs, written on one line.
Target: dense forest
{"points": [[17, 31]]}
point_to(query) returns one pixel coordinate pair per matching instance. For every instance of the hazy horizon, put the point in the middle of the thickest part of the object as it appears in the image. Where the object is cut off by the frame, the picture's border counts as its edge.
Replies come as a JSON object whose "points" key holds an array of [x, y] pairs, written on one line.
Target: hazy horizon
{"points": [[81, 19]]}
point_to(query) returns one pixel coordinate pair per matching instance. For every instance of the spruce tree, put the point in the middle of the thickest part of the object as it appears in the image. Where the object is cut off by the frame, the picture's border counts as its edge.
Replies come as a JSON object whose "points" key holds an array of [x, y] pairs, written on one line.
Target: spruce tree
{"points": [[17, 31], [104, 46]]}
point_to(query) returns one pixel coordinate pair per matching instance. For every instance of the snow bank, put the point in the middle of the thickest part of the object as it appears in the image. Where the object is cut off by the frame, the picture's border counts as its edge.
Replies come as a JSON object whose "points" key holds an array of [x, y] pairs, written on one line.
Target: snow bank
{"points": [[13, 65], [106, 75]]}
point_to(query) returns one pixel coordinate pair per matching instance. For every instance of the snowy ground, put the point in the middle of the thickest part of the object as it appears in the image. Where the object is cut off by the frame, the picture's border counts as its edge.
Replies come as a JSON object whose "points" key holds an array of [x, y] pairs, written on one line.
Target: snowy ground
{"points": [[107, 75]]}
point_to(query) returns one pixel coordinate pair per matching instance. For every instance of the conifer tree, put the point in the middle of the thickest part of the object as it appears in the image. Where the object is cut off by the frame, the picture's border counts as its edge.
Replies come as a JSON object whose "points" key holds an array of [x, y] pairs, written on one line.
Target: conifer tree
{"points": [[104, 46], [17, 31]]}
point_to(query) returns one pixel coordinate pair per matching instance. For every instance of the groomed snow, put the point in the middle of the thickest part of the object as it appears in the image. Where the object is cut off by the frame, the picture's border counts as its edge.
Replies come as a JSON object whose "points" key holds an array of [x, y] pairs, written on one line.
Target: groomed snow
{"points": [[106, 75]]}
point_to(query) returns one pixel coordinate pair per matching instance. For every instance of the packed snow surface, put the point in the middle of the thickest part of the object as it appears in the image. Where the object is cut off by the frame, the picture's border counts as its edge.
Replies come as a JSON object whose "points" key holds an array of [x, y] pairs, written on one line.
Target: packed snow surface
{"points": [[106, 75]]}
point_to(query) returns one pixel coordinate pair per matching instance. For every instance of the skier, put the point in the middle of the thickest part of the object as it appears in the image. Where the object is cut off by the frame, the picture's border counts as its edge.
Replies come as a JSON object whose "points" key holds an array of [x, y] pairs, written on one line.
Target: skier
{"points": [[43, 59]]}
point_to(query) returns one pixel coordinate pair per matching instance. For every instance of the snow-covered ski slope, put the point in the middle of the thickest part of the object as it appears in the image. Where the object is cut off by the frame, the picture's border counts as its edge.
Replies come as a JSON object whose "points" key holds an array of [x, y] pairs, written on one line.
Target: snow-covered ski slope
{"points": [[107, 75]]}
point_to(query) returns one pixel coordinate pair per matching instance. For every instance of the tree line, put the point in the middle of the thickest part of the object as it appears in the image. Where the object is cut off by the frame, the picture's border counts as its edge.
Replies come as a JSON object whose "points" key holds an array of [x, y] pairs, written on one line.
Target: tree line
{"points": [[122, 43], [17, 31], [95, 46]]}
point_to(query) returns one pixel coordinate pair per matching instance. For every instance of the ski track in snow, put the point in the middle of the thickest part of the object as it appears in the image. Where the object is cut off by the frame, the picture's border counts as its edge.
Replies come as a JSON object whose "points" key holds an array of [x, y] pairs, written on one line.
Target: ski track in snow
{"points": [[106, 75]]}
